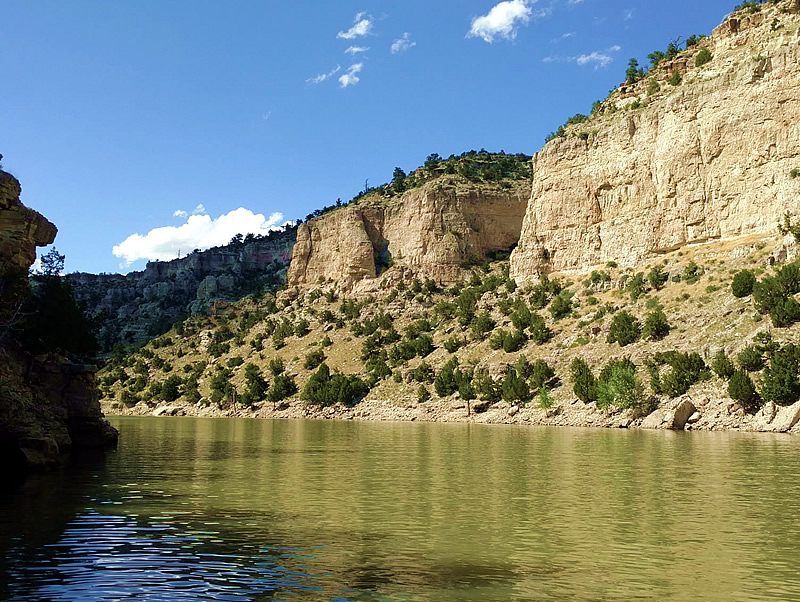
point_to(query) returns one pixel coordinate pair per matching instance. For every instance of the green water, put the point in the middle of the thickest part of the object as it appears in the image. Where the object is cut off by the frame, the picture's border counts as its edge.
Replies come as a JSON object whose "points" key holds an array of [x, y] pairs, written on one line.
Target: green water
{"points": [[284, 510]]}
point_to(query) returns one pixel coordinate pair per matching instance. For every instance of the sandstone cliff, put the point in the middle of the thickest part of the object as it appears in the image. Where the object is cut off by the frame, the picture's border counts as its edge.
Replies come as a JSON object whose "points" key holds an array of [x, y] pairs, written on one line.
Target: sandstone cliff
{"points": [[47, 404], [711, 158], [431, 230], [21, 229], [139, 305]]}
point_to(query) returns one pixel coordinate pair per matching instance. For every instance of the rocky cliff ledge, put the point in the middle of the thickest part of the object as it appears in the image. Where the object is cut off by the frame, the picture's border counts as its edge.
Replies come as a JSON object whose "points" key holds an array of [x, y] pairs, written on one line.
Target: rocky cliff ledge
{"points": [[47, 404], [431, 231], [139, 305], [21, 229], [709, 158]]}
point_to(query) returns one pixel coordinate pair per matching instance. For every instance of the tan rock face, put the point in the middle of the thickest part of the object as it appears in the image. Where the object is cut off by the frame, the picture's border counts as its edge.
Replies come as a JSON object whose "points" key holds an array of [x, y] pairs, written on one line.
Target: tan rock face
{"points": [[708, 159], [430, 230], [21, 229]]}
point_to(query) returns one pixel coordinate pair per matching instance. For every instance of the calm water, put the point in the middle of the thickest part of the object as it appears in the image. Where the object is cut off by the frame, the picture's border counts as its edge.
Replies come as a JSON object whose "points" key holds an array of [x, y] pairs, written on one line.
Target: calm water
{"points": [[271, 510]]}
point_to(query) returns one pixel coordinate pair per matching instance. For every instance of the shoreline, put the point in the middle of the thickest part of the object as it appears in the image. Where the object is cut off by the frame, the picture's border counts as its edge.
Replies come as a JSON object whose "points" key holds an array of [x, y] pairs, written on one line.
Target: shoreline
{"points": [[690, 412]]}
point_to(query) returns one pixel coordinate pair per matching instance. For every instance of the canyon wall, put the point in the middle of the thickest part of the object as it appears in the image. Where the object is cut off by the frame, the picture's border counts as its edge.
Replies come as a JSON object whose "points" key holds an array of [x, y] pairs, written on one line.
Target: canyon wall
{"points": [[710, 158], [431, 231], [47, 403], [137, 306]]}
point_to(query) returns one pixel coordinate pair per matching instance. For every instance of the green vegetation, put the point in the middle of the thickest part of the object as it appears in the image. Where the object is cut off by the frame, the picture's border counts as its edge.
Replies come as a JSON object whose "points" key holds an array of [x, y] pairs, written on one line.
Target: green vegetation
{"points": [[751, 7], [584, 383], [741, 389], [702, 57], [722, 365], [781, 379], [743, 282], [625, 329], [619, 385], [324, 388]]}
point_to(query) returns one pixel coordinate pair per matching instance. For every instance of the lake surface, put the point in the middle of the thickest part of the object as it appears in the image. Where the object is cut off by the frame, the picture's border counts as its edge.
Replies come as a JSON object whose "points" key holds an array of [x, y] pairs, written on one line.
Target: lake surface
{"points": [[238, 509]]}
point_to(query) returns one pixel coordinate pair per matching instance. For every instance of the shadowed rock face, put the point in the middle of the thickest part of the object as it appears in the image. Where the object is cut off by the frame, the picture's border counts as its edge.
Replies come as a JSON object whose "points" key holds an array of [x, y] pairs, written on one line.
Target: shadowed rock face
{"points": [[21, 229], [430, 231], [47, 404], [708, 159]]}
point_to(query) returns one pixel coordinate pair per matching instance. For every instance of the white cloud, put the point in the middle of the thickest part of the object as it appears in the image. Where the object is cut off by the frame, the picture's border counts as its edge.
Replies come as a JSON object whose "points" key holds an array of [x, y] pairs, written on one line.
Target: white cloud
{"points": [[199, 232], [318, 79], [199, 209], [356, 49], [502, 20], [350, 78], [362, 26], [402, 44], [180, 213], [598, 58], [628, 14]]}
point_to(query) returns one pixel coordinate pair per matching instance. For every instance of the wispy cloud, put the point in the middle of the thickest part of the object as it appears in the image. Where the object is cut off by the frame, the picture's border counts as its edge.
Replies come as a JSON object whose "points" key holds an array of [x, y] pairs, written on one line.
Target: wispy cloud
{"points": [[350, 77], [318, 79], [356, 50], [402, 44], [501, 20], [628, 14], [598, 58], [199, 232], [362, 25], [180, 213]]}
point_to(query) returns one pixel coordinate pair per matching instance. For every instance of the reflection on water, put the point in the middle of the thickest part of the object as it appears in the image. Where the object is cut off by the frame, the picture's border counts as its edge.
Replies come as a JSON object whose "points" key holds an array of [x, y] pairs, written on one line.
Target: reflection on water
{"points": [[273, 510]]}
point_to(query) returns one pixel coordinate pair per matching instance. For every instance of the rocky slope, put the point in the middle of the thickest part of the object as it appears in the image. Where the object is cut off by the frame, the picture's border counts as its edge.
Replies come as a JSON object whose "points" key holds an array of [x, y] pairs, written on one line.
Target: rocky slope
{"points": [[211, 362], [710, 158], [47, 403], [431, 231], [139, 305]]}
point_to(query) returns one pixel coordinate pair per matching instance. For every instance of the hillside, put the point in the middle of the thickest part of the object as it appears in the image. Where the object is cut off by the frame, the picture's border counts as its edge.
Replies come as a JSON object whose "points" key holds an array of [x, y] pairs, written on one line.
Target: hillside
{"points": [[135, 307], [643, 273], [398, 343]]}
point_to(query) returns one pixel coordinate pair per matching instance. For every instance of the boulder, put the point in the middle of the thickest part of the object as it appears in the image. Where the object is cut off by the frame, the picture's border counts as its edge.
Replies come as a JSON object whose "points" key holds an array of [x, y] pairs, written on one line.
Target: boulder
{"points": [[674, 415], [786, 418]]}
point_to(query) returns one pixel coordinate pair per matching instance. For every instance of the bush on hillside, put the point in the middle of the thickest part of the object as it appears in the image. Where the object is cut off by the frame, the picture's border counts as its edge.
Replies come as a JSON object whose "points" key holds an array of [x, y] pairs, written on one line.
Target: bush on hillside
{"points": [[702, 57], [619, 385], [722, 365], [743, 282], [781, 379], [625, 329], [750, 359], [584, 383], [324, 388], [656, 326], [741, 389]]}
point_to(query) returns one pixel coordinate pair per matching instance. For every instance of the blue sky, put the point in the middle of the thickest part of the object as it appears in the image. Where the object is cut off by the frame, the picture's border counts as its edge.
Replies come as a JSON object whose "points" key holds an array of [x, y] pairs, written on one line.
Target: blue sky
{"points": [[200, 118]]}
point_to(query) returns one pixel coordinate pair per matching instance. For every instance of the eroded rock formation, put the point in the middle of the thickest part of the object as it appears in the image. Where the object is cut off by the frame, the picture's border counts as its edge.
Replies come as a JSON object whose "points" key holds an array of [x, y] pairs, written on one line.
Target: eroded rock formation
{"points": [[21, 229], [711, 158], [47, 404], [134, 307], [431, 230]]}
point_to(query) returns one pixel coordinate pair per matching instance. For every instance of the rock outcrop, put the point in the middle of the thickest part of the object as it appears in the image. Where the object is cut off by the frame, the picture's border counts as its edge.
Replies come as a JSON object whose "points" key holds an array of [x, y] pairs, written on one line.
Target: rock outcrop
{"points": [[134, 307], [47, 404], [711, 158], [21, 229], [431, 231]]}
